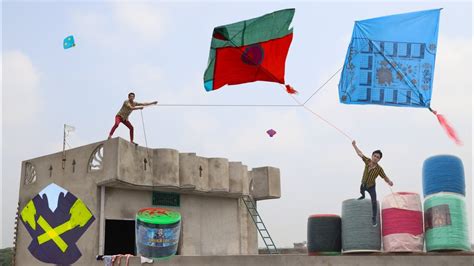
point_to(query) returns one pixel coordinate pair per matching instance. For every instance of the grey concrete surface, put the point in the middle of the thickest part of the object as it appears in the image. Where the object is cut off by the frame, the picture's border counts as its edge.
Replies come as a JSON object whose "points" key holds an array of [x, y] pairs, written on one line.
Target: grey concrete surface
{"points": [[214, 220], [219, 174], [266, 183], [303, 260]]}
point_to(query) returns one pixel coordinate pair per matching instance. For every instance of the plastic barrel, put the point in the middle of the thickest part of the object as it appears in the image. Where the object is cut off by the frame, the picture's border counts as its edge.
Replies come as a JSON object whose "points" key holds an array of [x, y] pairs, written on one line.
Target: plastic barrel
{"points": [[446, 226], [157, 232], [358, 233], [443, 173], [324, 234], [402, 223]]}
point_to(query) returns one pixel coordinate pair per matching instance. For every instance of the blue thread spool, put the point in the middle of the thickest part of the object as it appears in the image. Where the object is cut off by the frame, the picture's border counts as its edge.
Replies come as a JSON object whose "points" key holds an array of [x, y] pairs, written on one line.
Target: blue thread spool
{"points": [[443, 173]]}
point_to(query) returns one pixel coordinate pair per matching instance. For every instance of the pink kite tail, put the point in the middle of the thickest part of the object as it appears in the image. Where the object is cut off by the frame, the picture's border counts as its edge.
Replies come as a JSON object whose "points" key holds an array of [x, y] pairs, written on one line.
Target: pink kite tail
{"points": [[447, 127]]}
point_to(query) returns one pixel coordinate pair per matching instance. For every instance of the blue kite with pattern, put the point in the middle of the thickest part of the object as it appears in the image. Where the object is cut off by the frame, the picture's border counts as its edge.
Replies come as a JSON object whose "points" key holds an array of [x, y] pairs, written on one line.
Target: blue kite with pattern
{"points": [[391, 60]]}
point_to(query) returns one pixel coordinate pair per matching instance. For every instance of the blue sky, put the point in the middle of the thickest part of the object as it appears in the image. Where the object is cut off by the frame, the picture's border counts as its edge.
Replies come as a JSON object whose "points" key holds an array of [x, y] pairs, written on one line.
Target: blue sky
{"points": [[159, 50]]}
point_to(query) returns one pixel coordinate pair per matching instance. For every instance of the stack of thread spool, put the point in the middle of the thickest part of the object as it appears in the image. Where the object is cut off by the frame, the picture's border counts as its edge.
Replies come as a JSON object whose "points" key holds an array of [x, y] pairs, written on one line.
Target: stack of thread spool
{"points": [[446, 226], [324, 234], [358, 233], [402, 223]]}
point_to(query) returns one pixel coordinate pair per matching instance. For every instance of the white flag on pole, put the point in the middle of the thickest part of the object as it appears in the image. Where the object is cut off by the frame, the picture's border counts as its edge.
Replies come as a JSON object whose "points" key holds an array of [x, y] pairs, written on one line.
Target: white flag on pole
{"points": [[68, 129]]}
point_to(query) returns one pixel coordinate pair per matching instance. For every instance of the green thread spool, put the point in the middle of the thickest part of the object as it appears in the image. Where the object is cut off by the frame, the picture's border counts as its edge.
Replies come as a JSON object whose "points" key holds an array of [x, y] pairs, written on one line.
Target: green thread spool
{"points": [[157, 232], [446, 226]]}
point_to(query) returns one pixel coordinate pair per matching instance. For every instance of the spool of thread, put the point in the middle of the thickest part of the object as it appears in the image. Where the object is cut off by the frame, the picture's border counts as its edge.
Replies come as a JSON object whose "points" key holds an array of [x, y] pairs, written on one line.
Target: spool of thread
{"points": [[443, 173], [402, 223], [358, 233], [157, 232], [324, 234], [446, 226]]}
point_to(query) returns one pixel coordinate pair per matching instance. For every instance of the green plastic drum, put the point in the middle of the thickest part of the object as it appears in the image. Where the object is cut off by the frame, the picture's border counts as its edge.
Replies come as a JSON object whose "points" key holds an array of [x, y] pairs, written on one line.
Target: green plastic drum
{"points": [[157, 232]]}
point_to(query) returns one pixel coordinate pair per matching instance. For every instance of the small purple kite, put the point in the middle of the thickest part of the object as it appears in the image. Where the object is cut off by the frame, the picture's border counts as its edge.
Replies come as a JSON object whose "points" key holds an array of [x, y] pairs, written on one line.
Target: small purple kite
{"points": [[271, 132]]}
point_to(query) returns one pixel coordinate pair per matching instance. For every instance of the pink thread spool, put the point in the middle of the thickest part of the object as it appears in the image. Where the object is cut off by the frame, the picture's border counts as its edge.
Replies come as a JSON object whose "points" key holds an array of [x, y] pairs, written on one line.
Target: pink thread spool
{"points": [[402, 223]]}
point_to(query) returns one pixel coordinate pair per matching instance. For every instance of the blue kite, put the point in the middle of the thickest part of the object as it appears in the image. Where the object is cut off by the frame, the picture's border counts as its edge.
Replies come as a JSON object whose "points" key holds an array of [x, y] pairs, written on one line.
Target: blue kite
{"points": [[69, 42], [391, 61]]}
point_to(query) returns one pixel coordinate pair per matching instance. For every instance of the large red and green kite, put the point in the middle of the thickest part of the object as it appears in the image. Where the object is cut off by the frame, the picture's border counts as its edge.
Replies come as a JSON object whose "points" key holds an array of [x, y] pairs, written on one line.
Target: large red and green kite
{"points": [[250, 50]]}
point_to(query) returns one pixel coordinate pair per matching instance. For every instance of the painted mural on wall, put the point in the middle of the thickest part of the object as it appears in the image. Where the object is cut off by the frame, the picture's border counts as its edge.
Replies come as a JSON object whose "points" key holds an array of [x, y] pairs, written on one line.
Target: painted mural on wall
{"points": [[56, 219]]}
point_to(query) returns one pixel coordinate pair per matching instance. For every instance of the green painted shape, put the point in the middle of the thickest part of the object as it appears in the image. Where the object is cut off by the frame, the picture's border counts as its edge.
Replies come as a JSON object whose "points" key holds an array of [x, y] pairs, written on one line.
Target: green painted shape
{"points": [[158, 216], [28, 214], [267, 27], [80, 214]]}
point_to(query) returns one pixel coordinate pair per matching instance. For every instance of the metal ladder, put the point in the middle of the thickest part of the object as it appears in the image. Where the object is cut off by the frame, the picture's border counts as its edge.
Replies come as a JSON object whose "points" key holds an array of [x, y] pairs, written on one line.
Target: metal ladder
{"points": [[261, 228]]}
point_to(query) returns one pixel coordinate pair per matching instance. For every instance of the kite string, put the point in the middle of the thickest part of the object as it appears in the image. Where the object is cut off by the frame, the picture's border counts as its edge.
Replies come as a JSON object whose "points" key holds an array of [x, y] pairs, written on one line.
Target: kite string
{"points": [[322, 118], [146, 142], [144, 130], [324, 84], [242, 52], [229, 105], [395, 197]]}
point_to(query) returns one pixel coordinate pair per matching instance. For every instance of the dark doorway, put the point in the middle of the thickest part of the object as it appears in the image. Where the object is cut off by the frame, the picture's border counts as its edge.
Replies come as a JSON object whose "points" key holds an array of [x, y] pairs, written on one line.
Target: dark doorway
{"points": [[119, 237]]}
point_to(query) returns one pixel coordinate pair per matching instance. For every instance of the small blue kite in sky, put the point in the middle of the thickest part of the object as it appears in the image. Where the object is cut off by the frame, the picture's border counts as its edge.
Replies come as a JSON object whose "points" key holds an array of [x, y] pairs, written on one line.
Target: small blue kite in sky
{"points": [[69, 42]]}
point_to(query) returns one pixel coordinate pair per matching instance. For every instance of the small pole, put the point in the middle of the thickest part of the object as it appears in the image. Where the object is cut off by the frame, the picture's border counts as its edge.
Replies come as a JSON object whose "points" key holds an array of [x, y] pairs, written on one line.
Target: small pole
{"points": [[64, 147]]}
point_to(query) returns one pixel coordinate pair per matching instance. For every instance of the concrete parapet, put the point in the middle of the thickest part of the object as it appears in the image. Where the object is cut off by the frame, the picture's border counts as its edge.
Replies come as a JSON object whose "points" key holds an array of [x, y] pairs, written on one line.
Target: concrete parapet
{"points": [[119, 163], [238, 178], [166, 167], [265, 183], [219, 174], [188, 170], [203, 182]]}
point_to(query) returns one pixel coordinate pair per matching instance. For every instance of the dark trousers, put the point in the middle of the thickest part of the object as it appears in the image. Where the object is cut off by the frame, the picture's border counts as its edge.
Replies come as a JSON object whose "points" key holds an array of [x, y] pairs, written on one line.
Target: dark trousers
{"points": [[373, 197]]}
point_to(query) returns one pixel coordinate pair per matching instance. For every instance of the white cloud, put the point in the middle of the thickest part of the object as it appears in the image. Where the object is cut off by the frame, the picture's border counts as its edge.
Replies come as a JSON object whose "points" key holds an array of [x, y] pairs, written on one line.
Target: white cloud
{"points": [[124, 22], [145, 76], [20, 89], [141, 18], [453, 69]]}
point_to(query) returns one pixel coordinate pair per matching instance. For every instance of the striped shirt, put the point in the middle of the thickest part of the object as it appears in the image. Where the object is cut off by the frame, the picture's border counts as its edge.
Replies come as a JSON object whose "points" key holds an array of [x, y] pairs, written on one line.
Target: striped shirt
{"points": [[369, 176]]}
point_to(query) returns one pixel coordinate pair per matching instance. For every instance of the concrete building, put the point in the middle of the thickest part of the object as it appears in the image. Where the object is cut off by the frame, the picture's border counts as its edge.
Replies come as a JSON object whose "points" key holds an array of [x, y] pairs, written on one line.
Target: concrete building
{"points": [[115, 179]]}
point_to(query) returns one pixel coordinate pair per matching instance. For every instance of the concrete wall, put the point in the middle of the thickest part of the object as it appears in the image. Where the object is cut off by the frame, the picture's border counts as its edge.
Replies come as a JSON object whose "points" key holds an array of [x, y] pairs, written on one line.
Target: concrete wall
{"points": [[215, 222], [205, 220], [304, 260], [81, 183]]}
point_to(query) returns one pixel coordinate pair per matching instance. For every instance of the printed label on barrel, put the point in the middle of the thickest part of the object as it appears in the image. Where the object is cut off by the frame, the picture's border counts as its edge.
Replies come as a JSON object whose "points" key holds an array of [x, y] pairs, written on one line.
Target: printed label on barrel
{"points": [[437, 216], [158, 237]]}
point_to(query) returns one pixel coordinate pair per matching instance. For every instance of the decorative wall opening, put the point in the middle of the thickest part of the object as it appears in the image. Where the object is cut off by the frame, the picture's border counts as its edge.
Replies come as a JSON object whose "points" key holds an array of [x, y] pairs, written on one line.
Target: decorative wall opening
{"points": [[96, 159], [30, 174]]}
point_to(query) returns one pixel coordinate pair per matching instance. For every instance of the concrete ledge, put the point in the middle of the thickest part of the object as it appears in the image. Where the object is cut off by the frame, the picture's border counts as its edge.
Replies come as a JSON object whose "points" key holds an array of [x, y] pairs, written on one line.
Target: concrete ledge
{"points": [[266, 183], [304, 260]]}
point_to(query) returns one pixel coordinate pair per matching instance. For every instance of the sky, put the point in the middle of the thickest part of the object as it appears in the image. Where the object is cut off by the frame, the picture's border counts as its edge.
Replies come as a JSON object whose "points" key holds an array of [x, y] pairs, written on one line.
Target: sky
{"points": [[159, 50]]}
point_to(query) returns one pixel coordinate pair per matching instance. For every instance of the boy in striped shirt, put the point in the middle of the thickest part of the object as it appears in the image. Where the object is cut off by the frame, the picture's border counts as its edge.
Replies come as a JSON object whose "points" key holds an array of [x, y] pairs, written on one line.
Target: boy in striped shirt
{"points": [[371, 171]]}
